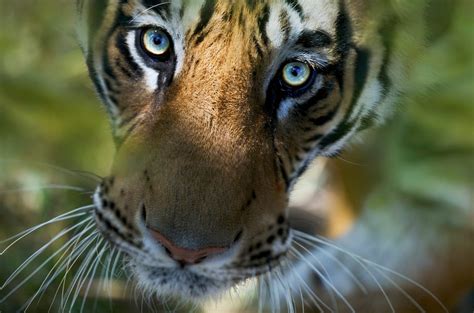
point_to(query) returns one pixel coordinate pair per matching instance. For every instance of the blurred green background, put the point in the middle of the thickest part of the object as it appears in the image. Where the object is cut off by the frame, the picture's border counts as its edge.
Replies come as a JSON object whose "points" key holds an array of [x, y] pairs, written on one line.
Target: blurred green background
{"points": [[50, 116]]}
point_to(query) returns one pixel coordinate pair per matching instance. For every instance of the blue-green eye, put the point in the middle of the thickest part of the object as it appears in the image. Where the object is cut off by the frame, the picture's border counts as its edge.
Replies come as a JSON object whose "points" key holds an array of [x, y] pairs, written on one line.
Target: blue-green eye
{"points": [[156, 42], [296, 74]]}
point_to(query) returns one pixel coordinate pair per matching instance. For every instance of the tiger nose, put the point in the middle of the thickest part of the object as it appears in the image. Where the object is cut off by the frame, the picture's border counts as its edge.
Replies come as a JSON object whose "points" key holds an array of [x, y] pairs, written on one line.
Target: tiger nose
{"points": [[185, 256]]}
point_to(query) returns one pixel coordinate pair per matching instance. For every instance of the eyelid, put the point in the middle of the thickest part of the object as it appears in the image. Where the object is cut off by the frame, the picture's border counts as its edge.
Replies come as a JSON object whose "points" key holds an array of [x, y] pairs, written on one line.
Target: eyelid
{"points": [[316, 61]]}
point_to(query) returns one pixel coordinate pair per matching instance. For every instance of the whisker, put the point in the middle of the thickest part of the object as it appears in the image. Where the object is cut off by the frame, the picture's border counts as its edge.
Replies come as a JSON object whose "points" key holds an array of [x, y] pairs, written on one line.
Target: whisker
{"points": [[81, 247], [38, 252], [399, 288], [301, 256], [148, 10], [399, 275], [379, 286], [90, 266], [330, 290], [314, 298], [25, 280], [44, 187], [78, 275], [290, 302], [342, 265], [78, 249], [62, 217], [92, 275], [57, 269], [106, 280], [84, 174], [261, 295]]}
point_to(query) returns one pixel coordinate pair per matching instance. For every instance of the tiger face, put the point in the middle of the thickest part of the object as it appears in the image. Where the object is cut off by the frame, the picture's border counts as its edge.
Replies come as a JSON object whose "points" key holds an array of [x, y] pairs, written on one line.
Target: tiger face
{"points": [[217, 108]]}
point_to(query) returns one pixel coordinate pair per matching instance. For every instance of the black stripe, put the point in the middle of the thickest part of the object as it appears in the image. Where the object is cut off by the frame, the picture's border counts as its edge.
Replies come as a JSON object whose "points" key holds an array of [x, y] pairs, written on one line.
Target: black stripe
{"points": [[314, 39], [388, 33], [95, 80], [342, 130], [207, 11], [326, 118], [127, 120], [107, 68], [125, 71], [321, 94], [111, 84], [302, 169], [285, 25], [295, 5], [262, 24], [283, 172], [258, 46], [344, 35], [122, 46], [368, 121], [361, 74], [251, 5], [160, 7], [313, 138]]}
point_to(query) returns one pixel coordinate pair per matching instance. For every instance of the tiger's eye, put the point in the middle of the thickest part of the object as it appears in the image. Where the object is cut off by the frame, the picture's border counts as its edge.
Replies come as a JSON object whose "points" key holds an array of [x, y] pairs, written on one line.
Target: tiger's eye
{"points": [[156, 42], [296, 74]]}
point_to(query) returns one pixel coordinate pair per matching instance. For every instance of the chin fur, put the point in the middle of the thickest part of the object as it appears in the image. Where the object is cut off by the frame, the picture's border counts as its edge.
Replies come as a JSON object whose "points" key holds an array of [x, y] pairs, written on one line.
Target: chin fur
{"points": [[180, 283]]}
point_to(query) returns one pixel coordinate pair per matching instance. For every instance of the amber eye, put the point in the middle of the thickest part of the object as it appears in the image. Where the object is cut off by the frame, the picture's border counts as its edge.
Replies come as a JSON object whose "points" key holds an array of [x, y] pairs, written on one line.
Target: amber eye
{"points": [[156, 42], [296, 74]]}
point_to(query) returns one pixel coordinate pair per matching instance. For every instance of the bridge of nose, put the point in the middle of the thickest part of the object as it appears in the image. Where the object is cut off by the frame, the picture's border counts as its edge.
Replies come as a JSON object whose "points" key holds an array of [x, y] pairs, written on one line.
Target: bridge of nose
{"points": [[194, 231]]}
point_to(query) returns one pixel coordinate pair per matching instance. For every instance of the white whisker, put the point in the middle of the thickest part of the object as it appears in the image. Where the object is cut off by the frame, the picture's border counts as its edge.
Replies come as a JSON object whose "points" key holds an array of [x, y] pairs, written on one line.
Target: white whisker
{"points": [[38, 252], [319, 240], [79, 249], [311, 265], [92, 275], [76, 173], [62, 217], [148, 10], [57, 269], [329, 290], [373, 278], [342, 265], [91, 265], [314, 298], [44, 187], [78, 276], [410, 298]]}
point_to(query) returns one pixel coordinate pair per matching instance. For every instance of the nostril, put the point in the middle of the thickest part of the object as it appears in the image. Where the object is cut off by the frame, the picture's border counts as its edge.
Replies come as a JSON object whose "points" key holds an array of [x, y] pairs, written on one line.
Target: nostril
{"points": [[185, 256]]}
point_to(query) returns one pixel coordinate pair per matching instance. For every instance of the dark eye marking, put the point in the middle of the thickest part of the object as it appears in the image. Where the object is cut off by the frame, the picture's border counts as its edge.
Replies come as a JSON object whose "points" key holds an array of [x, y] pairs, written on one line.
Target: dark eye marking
{"points": [[314, 39]]}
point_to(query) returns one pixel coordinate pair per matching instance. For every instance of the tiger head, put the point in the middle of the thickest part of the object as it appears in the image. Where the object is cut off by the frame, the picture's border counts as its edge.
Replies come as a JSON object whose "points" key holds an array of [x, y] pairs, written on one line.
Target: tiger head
{"points": [[217, 108]]}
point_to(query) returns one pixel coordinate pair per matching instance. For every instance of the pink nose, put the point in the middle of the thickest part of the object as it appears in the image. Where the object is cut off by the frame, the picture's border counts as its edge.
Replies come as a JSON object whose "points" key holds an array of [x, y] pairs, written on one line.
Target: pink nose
{"points": [[182, 255]]}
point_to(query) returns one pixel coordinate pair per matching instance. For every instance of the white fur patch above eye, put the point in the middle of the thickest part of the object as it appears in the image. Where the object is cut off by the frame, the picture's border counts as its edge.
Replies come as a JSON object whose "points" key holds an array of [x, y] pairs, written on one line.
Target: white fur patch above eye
{"points": [[273, 29], [150, 75], [321, 14]]}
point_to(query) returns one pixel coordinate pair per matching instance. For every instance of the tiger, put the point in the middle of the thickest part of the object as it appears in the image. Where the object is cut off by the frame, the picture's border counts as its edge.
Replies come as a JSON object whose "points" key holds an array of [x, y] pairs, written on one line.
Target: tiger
{"points": [[217, 109]]}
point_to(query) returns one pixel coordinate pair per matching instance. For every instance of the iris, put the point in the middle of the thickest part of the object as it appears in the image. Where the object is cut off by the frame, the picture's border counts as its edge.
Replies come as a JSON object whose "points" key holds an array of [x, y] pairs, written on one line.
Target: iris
{"points": [[156, 42], [296, 74]]}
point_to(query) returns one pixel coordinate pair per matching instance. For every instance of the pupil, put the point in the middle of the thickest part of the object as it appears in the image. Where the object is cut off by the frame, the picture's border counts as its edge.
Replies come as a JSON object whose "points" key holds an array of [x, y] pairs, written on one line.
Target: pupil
{"points": [[157, 40], [296, 71]]}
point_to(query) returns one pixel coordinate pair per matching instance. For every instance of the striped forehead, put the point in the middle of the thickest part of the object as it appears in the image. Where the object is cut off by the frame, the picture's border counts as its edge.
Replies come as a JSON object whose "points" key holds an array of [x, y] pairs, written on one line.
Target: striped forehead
{"points": [[277, 20]]}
